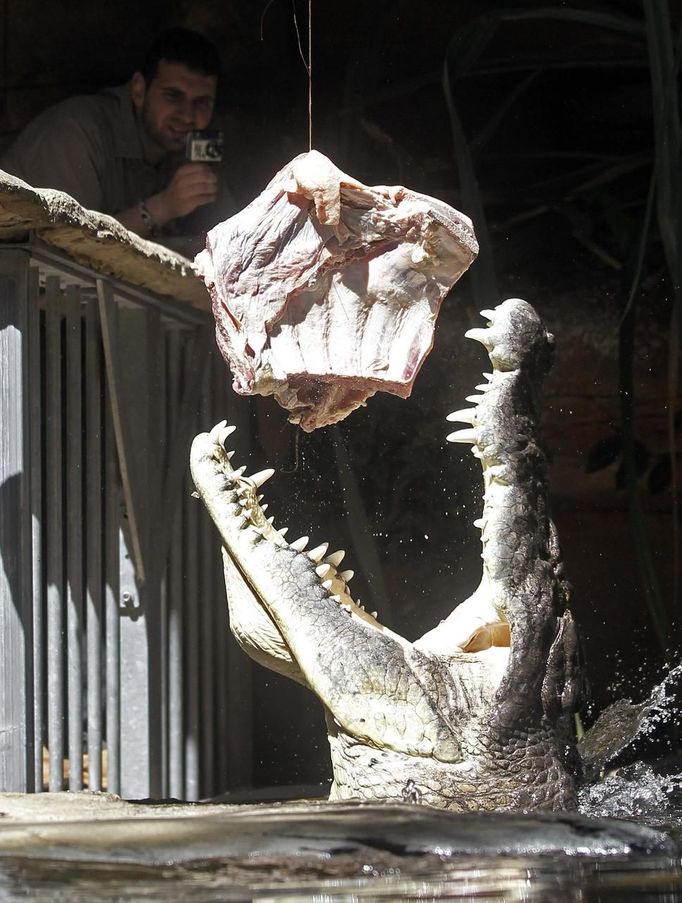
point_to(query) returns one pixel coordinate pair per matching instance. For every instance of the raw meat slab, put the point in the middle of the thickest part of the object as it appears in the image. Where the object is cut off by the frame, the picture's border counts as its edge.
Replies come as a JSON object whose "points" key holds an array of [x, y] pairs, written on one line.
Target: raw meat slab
{"points": [[326, 291]]}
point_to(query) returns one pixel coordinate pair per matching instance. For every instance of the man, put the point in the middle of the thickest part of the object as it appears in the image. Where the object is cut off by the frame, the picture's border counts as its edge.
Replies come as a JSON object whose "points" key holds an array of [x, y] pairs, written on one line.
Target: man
{"points": [[122, 151]]}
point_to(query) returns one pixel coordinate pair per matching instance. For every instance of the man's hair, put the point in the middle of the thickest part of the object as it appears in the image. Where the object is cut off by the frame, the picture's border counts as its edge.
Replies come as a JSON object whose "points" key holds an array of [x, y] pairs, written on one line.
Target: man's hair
{"points": [[180, 45]]}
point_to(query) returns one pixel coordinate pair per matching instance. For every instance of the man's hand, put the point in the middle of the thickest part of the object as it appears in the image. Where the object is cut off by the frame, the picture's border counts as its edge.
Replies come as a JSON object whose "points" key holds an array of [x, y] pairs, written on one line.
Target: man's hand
{"points": [[192, 186]]}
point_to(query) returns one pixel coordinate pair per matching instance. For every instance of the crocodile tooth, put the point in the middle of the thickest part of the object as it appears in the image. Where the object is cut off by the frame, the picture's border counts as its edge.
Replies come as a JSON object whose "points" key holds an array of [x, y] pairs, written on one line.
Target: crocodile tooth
{"points": [[488, 314], [236, 474], [335, 598], [283, 531], [326, 584], [264, 507], [480, 335], [230, 455], [216, 431], [483, 387], [261, 477], [475, 399], [260, 497], [224, 433], [347, 576], [374, 614], [347, 608], [270, 520], [462, 436], [488, 376], [299, 544], [318, 553], [466, 415], [195, 495], [479, 523], [336, 558], [323, 569]]}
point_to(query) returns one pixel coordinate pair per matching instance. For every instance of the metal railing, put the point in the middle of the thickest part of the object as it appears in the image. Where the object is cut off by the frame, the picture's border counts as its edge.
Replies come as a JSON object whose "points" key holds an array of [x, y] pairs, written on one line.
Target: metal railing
{"points": [[116, 667]]}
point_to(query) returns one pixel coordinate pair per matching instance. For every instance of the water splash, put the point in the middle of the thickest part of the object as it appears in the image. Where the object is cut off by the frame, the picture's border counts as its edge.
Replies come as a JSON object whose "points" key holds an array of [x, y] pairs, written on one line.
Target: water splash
{"points": [[624, 723], [651, 790], [634, 791]]}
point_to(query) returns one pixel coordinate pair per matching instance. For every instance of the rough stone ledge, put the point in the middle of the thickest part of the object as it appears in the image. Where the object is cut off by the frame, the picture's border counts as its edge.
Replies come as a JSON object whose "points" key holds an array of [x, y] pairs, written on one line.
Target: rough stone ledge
{"points": [[96, 241], [89, 805], [86, 805], [100, 827]]}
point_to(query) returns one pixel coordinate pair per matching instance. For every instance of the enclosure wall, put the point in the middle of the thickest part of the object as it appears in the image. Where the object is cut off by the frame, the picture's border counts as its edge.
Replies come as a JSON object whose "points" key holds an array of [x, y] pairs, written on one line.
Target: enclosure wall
{"points": [[117, 671]]}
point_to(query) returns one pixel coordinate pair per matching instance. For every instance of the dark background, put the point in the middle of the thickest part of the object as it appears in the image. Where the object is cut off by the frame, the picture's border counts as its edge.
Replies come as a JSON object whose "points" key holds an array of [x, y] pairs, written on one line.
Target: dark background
{"points": [[557, 128]]}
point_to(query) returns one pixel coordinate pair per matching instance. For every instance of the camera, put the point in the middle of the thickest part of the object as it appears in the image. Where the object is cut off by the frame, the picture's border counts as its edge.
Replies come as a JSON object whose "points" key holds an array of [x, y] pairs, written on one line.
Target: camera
{"points": [[205, 146]]}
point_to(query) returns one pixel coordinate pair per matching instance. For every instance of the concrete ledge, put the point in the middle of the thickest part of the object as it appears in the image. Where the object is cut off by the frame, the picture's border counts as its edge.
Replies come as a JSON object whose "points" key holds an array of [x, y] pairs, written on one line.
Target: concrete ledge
{"points": [[99, 827], [19, 808], [96, 241]]}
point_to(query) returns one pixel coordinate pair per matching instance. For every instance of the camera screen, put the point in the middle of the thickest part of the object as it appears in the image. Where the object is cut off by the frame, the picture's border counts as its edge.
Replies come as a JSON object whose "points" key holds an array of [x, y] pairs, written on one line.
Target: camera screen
{"points": [[205, 146]]}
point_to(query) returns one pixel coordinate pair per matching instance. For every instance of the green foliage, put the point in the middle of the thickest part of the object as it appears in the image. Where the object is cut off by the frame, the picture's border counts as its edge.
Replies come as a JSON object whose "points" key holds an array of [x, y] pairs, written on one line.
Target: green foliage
{"points": [[623, 223]]}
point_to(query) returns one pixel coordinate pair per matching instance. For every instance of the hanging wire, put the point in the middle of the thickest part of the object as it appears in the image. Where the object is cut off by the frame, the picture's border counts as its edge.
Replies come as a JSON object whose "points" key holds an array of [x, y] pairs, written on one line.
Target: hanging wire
{"points": [[308, 63]]}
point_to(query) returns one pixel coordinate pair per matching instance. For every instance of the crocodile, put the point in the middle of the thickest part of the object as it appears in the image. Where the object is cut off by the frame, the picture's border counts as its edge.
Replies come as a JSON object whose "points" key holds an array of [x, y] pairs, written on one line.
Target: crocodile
{"points": [[476, 714]]}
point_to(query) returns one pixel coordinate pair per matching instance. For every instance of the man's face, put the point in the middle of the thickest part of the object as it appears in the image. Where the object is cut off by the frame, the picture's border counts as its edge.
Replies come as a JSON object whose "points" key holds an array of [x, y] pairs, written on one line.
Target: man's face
{"points": [[176, 101]]}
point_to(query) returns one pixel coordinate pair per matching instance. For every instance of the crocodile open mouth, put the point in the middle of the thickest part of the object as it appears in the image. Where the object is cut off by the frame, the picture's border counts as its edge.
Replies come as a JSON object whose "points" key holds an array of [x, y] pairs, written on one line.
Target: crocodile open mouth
{"points": [[493, 677], [477, 624]]}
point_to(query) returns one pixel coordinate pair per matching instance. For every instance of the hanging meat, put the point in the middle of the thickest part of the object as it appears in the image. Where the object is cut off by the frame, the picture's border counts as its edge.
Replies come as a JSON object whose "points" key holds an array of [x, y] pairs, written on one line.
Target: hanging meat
{"points": [[326, 291]]}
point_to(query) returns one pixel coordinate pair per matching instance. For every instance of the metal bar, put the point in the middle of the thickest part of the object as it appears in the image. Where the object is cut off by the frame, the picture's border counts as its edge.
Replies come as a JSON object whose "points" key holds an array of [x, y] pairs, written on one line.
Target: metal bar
{"points": [[164, 439], [142, 347], [191, 647], [74, 537], [176, 776], [206, 605], [141, 758], [188, 395], [219, 606], [94, 475], [123, 440], [221, 637], [174, 583], [138, 764], [36, 463], [219, 603], [16, 704], [112, 520], [54, 526]]}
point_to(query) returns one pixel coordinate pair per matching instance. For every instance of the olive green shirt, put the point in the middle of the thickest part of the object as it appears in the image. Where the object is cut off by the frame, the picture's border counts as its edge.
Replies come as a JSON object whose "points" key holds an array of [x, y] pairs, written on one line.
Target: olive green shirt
{"points": [[91, 148]]}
